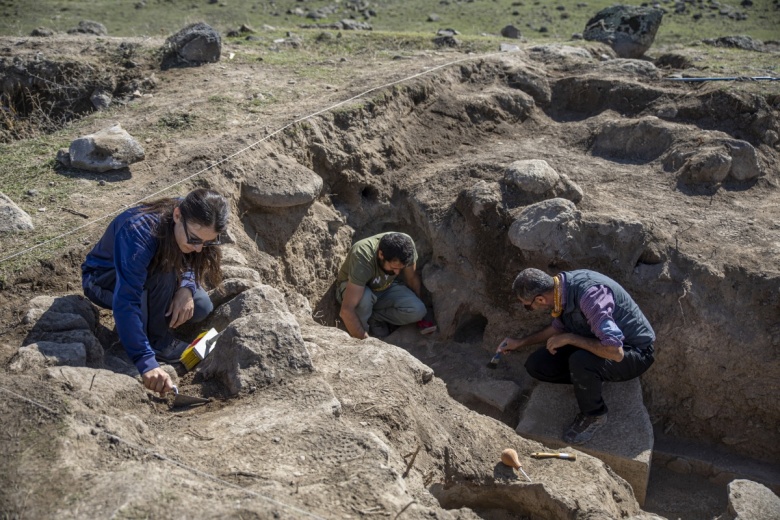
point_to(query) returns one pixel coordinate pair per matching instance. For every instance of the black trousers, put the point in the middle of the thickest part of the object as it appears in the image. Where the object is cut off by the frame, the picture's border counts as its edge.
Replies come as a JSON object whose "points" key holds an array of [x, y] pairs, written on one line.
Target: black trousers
{"points": [[159, 289], [587, 372]]}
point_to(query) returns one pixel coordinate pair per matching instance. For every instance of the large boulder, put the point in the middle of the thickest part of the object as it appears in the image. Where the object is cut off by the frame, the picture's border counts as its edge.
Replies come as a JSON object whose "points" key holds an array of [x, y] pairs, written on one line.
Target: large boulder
{"points": [[194, 45], [548, 227], [751, 501], [536, 179], [108, 149], [280, 182], [713, 158], [629, 30], [262, 344]]}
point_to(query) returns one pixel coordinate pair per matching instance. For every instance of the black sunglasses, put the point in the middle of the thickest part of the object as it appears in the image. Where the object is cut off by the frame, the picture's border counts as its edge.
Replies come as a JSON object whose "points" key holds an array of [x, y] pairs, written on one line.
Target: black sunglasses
{"points": [[195, 241]]}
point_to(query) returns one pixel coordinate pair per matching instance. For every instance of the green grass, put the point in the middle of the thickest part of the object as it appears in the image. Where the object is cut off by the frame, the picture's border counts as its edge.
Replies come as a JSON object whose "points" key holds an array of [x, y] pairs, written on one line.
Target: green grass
{"points": [[400, 29], [164, 17]]}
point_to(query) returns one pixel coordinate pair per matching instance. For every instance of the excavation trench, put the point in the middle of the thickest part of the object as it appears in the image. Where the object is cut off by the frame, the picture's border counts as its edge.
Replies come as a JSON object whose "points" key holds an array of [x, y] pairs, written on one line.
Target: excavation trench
{"points": [[431, 159]]}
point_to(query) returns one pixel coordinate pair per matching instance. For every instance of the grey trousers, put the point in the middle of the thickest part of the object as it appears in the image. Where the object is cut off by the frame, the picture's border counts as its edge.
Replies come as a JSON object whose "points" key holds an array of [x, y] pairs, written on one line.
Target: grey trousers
{"points": [[397, 305]]}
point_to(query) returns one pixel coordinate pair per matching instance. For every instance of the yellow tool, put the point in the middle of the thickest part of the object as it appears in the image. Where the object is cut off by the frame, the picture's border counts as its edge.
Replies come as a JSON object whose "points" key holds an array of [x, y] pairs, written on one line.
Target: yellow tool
{"points": [[548, 455], [200, 347]]}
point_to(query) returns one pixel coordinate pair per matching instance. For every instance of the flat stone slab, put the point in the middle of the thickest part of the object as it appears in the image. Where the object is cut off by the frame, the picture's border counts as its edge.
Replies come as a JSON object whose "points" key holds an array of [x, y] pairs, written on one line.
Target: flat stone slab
{"points": [[496, 393], [625, 443]]}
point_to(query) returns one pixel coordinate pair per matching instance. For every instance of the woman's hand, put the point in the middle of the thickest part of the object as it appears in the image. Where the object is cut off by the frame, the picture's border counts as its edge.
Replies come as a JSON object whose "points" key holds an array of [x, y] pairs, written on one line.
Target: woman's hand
{"points": [[181, 308], [157, 380]]}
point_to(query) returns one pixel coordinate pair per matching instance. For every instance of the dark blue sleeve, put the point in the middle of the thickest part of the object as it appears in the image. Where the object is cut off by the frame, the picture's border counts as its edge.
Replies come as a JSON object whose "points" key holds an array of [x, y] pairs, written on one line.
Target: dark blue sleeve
{"points": [[134, 248]]}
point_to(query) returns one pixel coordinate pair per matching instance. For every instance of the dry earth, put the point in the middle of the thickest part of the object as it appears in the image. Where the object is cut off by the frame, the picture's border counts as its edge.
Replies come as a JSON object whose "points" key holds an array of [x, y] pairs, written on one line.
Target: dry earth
{"points": [[322, 425]]}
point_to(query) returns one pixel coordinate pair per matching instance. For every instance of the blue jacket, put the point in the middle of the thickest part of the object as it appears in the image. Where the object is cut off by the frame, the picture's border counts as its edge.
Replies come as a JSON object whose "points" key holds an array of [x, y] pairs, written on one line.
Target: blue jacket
{"points": [[128, 247]]}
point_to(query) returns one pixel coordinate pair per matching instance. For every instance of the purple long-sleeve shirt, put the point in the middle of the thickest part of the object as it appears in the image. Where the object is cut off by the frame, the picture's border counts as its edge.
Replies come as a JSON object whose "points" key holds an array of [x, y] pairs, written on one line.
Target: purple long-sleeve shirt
{"points": [[597, 305]]}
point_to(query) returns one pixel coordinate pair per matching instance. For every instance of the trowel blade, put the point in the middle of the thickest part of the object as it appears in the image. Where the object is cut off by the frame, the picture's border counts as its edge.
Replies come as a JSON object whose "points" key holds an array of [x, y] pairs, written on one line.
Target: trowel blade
{"points": [[186, 400]]}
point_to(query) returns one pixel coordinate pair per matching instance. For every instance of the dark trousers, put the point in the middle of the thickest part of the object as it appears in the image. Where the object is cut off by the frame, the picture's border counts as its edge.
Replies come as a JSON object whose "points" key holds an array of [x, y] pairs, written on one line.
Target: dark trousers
{"points": [[587, 372], [159, 289]]}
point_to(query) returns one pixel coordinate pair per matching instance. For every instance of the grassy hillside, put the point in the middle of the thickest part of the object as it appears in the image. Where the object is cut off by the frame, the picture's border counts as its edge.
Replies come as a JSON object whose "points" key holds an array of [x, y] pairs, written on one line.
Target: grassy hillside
{"points": [[536, 19]]}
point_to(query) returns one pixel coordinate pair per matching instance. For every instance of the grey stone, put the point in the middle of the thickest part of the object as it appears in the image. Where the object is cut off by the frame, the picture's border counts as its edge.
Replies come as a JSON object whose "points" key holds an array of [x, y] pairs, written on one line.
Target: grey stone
{"points": [[629, 30], [510, 31], [625, 443], [63, 157], [548, 227], [70, 303], [483, 195], [109, 149], [56, 321], [708, 165], [257, 350], [232, 271], [446, 41], [13, 219], [193, 45], [555, 52], [94, 350], [751, 501], [101, 99], [90, 27], [532, 176], [47, 353], [744, 160], [281, 182], [259, 299], [739, 42], [233, 256], [41, 32]]}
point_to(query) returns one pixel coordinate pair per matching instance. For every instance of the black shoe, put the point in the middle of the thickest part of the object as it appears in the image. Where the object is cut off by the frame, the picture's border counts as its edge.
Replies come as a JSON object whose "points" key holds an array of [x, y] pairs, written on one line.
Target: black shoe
{"points": [[171, 353], [583, 428]]}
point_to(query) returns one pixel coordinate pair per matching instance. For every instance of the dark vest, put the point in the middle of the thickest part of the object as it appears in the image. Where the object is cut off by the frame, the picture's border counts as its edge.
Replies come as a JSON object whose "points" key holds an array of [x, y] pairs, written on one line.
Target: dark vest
{"points": [[635, 327]]}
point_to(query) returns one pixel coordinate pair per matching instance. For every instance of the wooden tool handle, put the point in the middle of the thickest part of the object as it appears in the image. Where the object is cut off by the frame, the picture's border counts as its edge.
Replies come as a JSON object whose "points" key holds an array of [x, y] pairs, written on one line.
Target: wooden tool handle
{"points": [[549, 455]]}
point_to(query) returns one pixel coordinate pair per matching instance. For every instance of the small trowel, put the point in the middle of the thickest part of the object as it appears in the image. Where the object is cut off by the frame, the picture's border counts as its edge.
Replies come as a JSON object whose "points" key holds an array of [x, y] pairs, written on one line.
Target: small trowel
{"points": [[181, 400]]}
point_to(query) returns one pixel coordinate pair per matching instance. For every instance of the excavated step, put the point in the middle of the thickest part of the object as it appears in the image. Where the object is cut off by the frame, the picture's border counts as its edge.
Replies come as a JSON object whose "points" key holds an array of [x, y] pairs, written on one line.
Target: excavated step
{"points": [[625, 443]]}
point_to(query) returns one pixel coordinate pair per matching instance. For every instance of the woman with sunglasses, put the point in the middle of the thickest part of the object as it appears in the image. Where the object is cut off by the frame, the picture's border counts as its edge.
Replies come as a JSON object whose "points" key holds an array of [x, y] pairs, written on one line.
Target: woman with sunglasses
{"points": [[149, 268]]}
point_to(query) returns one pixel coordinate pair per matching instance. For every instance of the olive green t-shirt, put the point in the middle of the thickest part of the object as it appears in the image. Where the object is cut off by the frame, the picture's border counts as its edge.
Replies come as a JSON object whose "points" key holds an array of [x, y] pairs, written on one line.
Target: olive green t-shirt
{"points": [[361, 266]]}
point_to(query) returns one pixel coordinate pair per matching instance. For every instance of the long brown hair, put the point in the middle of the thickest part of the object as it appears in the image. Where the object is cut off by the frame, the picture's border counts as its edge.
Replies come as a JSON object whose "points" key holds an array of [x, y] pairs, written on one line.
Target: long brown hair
{"points": [[205, 207]]}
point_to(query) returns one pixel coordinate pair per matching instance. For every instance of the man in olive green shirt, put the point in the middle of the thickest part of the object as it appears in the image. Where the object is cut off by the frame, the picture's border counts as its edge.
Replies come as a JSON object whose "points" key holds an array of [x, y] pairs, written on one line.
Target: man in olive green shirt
{"points": [[368, 290]]}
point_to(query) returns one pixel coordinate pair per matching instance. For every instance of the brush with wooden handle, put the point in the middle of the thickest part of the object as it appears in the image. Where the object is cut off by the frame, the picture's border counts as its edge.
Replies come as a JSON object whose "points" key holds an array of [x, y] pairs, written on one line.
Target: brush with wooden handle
{"points": [[550, 455]]}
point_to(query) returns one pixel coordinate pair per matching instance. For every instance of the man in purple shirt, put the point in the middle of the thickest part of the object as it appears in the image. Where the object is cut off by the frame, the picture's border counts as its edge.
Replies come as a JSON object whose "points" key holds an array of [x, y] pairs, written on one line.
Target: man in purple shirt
{"points": [[598, 334]]}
